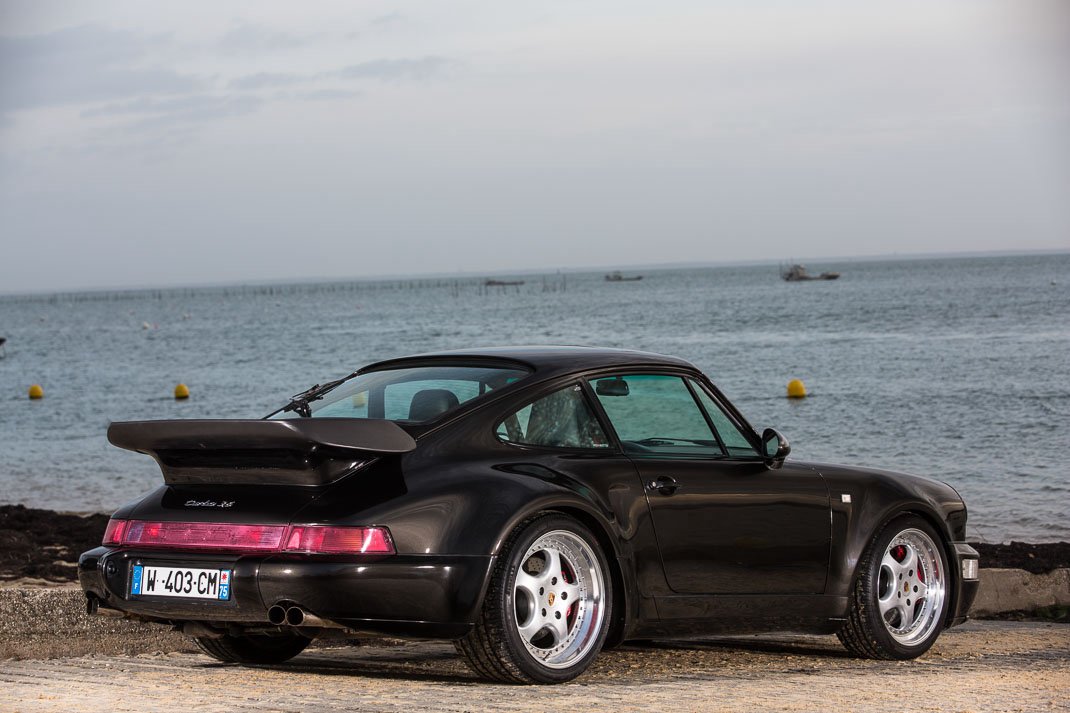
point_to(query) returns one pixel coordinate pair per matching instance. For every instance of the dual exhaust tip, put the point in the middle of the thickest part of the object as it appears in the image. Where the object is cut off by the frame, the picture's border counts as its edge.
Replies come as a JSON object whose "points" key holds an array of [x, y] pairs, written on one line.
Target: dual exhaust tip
{"points": [[280, 615]]}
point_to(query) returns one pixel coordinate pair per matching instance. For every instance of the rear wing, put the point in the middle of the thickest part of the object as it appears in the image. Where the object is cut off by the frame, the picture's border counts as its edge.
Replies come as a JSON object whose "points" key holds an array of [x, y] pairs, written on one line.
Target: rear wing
{"points": [[306, 451]]}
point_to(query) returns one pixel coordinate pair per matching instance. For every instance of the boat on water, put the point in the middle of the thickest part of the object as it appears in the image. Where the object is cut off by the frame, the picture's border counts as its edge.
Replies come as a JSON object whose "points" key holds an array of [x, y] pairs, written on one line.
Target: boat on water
{"points": [[798, 273], [502, 283], [616, 276]]}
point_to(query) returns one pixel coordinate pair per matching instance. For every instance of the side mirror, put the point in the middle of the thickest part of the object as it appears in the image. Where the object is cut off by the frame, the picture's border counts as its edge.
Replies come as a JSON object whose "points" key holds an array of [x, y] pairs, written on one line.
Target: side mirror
{"points": [[775, 448], [611, 387]]}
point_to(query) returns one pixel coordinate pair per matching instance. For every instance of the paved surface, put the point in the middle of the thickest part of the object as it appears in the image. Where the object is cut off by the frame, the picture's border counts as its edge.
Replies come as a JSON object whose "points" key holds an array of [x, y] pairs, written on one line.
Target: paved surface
{"points": [[988, 666]]}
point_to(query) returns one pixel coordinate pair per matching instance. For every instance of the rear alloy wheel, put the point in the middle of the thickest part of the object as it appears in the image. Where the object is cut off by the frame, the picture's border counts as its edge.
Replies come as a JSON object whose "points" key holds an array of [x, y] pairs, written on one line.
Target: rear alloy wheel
{"points": [[253, 648], [547, 610], [901, 596]]}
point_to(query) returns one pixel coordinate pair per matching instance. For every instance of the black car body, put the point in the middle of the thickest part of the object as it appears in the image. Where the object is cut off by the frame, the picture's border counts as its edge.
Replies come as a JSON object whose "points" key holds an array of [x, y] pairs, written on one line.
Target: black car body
{"points": [[697, 536]]}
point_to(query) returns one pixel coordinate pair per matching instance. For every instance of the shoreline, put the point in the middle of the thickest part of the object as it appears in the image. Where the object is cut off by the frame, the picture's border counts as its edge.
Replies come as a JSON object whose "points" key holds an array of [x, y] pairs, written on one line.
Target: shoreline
{"points": [[40, 548]]}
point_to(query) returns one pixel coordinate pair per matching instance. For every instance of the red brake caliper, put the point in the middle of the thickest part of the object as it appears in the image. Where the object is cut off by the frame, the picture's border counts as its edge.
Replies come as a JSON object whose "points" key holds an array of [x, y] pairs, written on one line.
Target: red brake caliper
{"points": [[568, 612]]}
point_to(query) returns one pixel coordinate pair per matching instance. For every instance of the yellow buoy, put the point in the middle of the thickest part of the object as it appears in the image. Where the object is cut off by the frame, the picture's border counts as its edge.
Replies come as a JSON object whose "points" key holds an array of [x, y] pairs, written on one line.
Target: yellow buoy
{"points": [[796, 389], [36, 392], [181, 391]]}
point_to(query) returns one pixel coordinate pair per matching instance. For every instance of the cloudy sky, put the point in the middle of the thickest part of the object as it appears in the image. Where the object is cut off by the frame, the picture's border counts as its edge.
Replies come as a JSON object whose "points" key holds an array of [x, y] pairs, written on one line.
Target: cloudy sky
{"points": [[185, 143]]}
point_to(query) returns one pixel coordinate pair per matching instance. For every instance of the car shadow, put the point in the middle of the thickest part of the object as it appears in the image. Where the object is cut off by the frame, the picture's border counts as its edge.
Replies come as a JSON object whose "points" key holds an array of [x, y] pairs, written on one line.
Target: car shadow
{"points": [[823, 647], [437, 662], [422, 662]]}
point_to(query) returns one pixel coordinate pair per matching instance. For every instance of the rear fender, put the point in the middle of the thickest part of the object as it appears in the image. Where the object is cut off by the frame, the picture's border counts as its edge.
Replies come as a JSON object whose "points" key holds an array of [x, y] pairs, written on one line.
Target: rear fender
{"points": [[478, 519]]}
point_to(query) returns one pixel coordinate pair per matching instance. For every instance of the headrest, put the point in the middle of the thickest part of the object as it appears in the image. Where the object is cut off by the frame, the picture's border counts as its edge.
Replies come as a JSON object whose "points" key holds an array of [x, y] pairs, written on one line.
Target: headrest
{"points": [[431, 403]]}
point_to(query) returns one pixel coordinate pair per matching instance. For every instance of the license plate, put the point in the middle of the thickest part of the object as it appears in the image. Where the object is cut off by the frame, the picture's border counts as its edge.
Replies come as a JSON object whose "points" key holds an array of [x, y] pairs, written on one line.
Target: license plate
{"points": [[180, 582]]}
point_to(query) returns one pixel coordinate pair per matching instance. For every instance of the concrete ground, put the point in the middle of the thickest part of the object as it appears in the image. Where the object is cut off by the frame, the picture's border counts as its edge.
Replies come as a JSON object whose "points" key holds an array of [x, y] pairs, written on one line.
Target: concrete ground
{"points": [[982, 666]]}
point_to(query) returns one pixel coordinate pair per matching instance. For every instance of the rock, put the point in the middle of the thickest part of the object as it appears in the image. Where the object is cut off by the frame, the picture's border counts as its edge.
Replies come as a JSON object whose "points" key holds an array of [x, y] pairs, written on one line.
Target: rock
{"points": [[1014, 590]]}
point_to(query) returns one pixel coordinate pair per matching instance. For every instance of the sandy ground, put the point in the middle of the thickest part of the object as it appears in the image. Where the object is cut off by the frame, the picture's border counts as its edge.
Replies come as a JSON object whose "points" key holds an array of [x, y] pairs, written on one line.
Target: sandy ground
{"points": [[985, 666]]}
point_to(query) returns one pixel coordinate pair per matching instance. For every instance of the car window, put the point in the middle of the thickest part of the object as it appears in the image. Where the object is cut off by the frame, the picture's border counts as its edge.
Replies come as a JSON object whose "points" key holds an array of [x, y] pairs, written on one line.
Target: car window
{"points": [[561, 420], [655, 414], [417, 394], [399, 400], [734, 441], [352, 406]]}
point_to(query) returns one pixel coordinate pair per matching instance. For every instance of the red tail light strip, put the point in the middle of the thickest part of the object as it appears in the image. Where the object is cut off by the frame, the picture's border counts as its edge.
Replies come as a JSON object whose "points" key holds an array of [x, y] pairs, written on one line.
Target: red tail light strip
{"points": [[220, 536], [205, 535]]}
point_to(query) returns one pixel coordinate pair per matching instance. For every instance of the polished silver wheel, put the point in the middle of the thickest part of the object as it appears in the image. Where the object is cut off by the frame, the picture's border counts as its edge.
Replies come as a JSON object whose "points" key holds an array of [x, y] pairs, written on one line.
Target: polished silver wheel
{"points": [[558, 595], [548, 605], [911, 586], [901, 593]]}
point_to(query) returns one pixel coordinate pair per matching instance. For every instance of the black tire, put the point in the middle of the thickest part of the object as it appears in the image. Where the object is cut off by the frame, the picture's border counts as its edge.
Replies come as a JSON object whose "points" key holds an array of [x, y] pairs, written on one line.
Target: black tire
{"points": [[495, 648], [908, 627], [253, 648]]}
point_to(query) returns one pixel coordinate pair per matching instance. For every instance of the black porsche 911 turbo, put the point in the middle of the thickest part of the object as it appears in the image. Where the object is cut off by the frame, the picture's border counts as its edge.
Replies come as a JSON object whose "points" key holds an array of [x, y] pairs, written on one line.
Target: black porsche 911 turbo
{"points": [[533, 504]]}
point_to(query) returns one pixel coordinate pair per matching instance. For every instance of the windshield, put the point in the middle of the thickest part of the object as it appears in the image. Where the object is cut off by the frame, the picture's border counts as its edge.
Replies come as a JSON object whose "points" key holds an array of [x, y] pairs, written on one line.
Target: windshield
{"points": [[416, 395]]}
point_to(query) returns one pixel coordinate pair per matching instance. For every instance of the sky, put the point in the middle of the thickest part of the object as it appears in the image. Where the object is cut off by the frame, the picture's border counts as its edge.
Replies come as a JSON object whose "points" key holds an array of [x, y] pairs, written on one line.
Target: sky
{"points": [[154, 144]]}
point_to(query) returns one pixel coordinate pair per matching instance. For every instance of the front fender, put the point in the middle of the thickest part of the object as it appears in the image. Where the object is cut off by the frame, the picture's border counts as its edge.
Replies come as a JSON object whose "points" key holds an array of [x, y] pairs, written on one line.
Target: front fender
{"points": [[865, 500]]}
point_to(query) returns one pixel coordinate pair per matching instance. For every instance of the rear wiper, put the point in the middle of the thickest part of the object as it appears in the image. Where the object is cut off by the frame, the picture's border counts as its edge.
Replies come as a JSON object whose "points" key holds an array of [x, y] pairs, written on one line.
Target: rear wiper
{"points": [[300, 402]]}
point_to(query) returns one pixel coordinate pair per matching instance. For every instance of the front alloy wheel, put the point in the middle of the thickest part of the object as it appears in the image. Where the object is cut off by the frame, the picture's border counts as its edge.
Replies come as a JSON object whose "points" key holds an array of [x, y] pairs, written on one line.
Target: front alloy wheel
{"points": [[901, 596], [547, 611]]}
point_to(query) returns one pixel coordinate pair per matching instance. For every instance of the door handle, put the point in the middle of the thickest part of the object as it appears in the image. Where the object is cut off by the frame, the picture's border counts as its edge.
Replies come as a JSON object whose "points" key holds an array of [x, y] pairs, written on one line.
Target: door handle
{"points": [[664, 484]]}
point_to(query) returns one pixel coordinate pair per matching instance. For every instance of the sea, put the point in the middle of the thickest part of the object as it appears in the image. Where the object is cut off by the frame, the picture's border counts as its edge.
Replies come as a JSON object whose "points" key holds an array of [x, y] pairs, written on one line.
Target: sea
{"points": [[953, 368]]}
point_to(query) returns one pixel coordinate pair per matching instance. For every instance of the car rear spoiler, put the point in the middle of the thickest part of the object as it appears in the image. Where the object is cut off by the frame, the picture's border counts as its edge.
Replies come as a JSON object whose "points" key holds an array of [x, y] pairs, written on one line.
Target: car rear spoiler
{"points": [[306, 451]]}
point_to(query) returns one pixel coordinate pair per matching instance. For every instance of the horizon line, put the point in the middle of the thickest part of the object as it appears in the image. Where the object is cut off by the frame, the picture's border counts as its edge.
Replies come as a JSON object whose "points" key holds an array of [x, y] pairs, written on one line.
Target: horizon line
{"points": [[471, 274]]}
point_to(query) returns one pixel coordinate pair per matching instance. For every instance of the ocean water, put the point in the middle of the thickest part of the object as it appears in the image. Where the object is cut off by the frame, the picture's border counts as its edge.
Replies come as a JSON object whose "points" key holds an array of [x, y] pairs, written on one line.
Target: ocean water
{"points": [[958, 369]]}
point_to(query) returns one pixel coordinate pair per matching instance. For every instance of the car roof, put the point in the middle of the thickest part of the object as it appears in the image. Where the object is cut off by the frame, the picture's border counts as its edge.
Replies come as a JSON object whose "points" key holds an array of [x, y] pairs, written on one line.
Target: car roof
{"points": [[543, 358]]}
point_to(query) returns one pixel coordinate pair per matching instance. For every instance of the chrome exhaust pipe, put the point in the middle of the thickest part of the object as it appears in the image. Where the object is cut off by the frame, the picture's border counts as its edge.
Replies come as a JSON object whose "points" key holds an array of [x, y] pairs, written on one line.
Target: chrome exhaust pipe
{"points": [[277, 615], [296, 616]]}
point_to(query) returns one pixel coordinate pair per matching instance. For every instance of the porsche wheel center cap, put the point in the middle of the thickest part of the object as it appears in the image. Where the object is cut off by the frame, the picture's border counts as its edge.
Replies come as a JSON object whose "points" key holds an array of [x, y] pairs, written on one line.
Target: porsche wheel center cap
{"points": [[550, 599]]}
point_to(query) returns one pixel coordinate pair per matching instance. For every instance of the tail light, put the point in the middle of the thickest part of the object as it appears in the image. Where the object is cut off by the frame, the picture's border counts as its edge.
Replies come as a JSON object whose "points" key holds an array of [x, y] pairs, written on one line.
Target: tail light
{"points": [[205, 535], [340, 540], [113, 533], [312, 539]]}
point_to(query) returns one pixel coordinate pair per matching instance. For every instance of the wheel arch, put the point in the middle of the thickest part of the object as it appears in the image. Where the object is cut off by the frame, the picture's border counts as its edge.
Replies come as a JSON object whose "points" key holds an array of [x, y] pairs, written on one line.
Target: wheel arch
{"points": [[954, 573], [939, 525], [624, 598], [618, 624]]}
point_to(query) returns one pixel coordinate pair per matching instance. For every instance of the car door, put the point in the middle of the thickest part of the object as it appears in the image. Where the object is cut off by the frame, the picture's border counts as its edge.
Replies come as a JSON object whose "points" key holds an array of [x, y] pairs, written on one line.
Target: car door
{"points": [[725, 522]]}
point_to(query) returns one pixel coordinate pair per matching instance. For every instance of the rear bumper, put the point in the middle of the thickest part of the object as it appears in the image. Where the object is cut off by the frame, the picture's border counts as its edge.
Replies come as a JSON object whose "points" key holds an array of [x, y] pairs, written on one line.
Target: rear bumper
{"points": [[966, 592], [403, 595]]}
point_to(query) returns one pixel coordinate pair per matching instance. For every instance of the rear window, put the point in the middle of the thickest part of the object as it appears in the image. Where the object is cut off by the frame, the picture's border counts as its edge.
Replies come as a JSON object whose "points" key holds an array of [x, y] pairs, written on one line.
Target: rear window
{"points": [[416, 395]]}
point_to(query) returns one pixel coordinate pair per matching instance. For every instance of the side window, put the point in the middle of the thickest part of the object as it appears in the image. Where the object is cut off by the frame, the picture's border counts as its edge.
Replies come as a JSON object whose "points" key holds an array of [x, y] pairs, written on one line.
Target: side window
{"points": [[734, 440], [655, 414], [561, 420]]}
